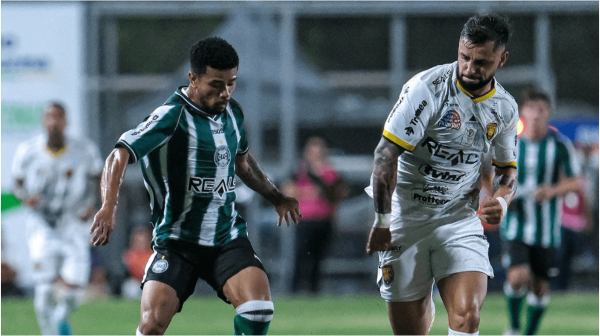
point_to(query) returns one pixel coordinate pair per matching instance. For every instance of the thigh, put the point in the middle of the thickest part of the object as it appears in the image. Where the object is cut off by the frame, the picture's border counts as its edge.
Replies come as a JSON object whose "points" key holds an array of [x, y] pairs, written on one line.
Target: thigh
{"points": [[43, 252], [172, 266], [159, 303], [404, 273], [463, 290], [238, 265], [411, 317], [461, 254], [249, 284], [75, 268]]}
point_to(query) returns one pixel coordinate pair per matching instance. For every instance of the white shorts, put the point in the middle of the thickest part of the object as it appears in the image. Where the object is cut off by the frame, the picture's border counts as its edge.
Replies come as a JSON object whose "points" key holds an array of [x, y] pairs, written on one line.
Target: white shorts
{"points": [[430, 252], [62, 251]]}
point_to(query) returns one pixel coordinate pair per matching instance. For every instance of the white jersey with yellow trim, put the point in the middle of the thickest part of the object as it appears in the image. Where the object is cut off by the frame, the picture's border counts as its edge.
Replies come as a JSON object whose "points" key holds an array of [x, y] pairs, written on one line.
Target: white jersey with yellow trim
{"points": [[60, 178], [445, 132]]}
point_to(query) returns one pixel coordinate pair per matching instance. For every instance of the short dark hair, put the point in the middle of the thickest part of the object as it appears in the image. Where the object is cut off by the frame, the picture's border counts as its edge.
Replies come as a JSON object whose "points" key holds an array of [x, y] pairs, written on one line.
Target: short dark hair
{"points": [[214, 52], [56, 104], [481, 28], [533, 94]]}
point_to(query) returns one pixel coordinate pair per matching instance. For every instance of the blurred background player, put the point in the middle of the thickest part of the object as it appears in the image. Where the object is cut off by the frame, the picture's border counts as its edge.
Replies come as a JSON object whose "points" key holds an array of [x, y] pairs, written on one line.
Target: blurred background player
{"points": [[531, 231], [191, 148], [319, 189], [56, 177], [426, 185]]}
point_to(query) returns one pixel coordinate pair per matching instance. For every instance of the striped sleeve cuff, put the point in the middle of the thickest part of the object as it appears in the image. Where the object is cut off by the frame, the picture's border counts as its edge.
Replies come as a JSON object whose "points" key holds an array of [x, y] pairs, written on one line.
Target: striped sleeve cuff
{"points": [[504, 164], [132, 155], [398, 141]]}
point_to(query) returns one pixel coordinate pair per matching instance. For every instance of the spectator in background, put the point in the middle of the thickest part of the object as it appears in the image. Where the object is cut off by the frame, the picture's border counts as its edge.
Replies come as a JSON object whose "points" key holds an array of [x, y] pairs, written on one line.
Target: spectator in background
{"points": [[136, 257], [319, 189], [548, 170], [56, 177]]}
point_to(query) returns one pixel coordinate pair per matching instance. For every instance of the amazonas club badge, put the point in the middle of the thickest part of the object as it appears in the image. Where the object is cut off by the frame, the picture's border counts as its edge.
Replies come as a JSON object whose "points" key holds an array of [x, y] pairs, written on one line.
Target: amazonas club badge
{"points": [[490, 130], [388, 274]]}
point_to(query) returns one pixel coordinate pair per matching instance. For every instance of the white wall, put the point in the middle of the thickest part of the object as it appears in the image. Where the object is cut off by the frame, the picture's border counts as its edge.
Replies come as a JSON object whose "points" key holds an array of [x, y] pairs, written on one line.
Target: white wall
{"points": [[42, 60]]}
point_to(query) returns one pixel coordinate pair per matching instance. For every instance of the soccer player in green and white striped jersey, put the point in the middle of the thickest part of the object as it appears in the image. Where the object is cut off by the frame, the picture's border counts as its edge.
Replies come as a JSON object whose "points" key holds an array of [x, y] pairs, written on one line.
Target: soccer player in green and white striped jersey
{"points": [[190, 150], [548, 169]]}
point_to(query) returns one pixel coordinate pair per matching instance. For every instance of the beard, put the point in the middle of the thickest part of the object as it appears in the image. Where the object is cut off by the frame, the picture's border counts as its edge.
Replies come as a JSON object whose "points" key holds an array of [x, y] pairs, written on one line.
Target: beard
{"points": [[213, 110], [474, 86]]}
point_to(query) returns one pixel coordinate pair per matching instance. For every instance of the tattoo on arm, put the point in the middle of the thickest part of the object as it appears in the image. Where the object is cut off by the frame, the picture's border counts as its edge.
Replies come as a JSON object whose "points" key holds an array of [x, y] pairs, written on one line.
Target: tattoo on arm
{"points": [[385, 168], [506, 177]]}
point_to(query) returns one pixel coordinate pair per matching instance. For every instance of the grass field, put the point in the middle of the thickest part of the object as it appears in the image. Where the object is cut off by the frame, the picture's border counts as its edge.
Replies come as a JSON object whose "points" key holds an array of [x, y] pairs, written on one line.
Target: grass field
{"points": [[568, 314]]}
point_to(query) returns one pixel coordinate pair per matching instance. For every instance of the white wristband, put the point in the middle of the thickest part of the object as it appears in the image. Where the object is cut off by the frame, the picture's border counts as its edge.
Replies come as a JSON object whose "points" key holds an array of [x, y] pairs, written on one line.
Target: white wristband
{"points": [[382, 220], [503, 204]]}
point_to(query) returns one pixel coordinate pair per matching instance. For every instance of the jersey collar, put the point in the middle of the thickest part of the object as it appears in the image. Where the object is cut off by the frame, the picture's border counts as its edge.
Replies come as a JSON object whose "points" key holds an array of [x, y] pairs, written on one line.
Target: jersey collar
{"points": [[194, 106], [478, 99]]}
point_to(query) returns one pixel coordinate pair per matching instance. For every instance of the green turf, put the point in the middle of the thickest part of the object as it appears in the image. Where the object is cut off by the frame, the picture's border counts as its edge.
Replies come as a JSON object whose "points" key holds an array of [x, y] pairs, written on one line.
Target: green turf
{"points": [[568, 314]]}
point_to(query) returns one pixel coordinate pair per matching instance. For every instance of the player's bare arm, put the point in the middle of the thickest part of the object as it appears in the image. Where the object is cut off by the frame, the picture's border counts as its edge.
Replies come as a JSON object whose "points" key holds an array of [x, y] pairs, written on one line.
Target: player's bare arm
{"points": [[249, 171], [110, 184], [563, 187], [21, 193], [88, 212], [385, 168], [494, 207]]}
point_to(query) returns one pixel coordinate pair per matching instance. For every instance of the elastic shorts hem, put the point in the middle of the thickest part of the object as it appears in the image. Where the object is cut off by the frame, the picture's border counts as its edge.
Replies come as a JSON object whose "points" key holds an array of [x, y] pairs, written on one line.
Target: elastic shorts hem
{"points": [[474, 269], [416, 295]]}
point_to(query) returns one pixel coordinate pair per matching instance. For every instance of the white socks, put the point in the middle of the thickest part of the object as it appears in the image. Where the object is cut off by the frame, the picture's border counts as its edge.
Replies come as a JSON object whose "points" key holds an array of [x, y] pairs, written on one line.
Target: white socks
{"points": [[452, 332], [257, 310], [44, 304]]}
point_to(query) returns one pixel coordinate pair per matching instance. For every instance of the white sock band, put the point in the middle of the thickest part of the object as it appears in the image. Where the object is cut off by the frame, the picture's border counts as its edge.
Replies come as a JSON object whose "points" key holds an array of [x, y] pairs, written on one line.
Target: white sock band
{"points": [[138, 332], [452, 332], [538, 301], [510, 291], [257, 310], [503, 204]]}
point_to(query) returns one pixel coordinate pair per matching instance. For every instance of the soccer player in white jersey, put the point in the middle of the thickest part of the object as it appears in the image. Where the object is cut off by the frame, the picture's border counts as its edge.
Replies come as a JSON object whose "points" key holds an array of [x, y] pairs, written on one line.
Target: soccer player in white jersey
{"points": [[425, 183], [191, 148], [57, 178], [548, 170]]}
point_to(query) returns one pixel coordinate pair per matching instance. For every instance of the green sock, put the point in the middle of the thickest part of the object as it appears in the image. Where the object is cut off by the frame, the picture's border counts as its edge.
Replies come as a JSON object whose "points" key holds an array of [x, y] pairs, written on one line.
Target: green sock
{"points": [[515, 303], [534, 316], [243, 326]]}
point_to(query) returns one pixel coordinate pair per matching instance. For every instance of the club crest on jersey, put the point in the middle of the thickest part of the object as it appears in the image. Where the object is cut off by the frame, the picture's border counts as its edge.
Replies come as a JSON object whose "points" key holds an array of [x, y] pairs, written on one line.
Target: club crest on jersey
{"points": [[451, 120], [387, 273], [222, 156], [490, 130]]}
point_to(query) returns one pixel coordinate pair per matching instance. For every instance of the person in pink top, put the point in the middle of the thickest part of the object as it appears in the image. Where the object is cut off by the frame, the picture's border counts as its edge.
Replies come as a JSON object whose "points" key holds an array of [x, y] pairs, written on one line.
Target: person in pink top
{"points": [[318, 188]]}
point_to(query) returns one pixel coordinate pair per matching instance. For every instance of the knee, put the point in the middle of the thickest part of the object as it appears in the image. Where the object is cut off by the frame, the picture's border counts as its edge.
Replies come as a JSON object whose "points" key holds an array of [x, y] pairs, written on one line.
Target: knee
{"points": [[465, 317], [151, 323], [518, 278]]}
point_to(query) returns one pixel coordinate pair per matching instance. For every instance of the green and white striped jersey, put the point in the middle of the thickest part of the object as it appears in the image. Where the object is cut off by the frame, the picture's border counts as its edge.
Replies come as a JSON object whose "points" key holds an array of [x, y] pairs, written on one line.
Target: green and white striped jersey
{"points": [[188, 162], [540, 163]]}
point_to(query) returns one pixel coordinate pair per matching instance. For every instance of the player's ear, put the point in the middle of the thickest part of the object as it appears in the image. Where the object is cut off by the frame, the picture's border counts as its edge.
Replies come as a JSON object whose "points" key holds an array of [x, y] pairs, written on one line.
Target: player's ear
{"points": [[503, 59], [191, 76]]}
